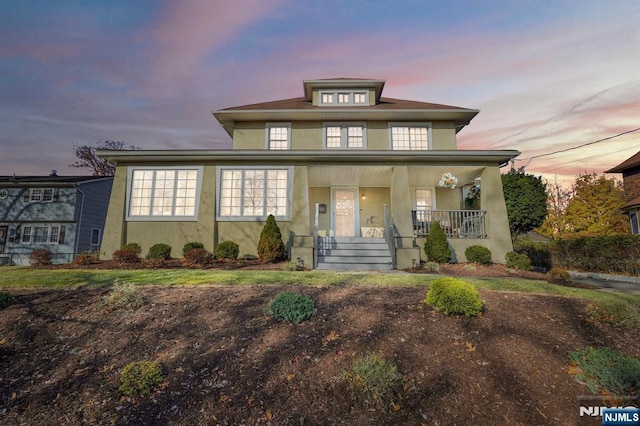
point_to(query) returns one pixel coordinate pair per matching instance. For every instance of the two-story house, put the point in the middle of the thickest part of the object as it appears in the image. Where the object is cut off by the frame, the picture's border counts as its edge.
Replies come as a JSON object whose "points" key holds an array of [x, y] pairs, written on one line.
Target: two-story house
{"points": [[63, 214], [353, 178], [630, 169]]}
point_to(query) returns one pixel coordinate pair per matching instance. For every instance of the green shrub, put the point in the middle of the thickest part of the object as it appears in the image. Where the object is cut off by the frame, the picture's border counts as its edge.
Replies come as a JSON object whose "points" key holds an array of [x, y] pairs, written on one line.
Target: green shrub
{"points": [[607, 370], [454, 296], [270, 247], [227, 250], [291, 307], [159, 251], [614, 312], [374, 380], [539, 252], [198, 257], [124, 295], [190, 246], [6, 300], [141, 378], [126, 255], [611, 254], [133, 246], [518, 261], [436, 247], [290, 266], [558, 276], [478, 254], [40, 257]]}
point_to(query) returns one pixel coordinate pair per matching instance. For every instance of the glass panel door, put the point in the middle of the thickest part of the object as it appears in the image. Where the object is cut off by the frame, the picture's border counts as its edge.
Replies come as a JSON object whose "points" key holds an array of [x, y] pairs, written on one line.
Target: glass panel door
{"points": [[345, 202]]}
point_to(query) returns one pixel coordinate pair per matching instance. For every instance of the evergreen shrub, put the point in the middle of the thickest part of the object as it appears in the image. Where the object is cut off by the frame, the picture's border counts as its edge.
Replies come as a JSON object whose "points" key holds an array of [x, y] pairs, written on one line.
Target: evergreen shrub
{"points": [[227, 250], [270, 247], [159, 251], [141, 378], [190, 246], [291, 307], [518, 261], [478, 254], [454, 296], [436, 247]]}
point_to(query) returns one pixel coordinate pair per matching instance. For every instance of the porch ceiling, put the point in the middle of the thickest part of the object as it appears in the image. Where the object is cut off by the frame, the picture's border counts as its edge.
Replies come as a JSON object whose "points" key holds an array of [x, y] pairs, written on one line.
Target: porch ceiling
{"points": [[380, 176]]}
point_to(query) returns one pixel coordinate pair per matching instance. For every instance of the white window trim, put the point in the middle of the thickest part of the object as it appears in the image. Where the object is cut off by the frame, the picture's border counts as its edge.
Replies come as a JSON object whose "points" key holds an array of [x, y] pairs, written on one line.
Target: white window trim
{"points": [[192, 218], [268, 126], [344, 135], [91, 243], [414, 199], [335, 94], [32, 228], [428, 125], [286, 217]]}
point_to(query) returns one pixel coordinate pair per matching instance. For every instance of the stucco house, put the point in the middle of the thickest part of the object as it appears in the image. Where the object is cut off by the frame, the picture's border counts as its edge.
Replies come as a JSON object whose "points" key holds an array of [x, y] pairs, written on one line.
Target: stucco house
{"points": [[630, 169], [354, 180], [64, 214]]}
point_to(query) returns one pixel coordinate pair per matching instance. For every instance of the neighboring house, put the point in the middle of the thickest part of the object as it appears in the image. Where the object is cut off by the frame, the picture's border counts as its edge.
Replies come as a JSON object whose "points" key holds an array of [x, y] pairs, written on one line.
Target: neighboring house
{"points": [[630, 170], [351, 177], [64, 214]]}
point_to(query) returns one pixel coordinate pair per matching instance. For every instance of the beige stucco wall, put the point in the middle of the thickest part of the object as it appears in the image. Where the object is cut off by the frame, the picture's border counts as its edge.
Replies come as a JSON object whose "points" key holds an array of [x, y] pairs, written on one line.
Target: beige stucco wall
{"points": [[308, 135], [118, 231]]}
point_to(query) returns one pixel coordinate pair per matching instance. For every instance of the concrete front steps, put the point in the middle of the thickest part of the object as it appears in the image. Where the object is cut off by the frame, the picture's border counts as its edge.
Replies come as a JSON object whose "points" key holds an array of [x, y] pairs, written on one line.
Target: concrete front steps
{"points": [[353, 254]]}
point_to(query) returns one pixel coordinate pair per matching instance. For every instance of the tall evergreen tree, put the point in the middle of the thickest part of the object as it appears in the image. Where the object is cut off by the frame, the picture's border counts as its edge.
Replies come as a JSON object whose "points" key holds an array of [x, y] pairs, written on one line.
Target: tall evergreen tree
{"points": [[526, 198], [270, 247]]}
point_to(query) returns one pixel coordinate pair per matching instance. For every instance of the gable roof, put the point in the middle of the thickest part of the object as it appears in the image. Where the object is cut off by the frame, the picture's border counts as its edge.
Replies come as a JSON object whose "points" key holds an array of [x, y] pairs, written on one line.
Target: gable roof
{"points": [[629, 163]]}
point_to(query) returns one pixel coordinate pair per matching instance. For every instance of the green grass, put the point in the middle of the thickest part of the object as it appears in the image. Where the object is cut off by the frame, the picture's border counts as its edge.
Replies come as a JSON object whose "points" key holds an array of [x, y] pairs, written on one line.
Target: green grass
{"points": [[25, 277]]}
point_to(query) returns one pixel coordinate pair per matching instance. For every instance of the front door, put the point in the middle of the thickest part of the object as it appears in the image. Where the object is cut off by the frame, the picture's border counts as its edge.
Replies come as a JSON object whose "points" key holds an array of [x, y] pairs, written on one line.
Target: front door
{"points": [[3, 238], [345, 212]]}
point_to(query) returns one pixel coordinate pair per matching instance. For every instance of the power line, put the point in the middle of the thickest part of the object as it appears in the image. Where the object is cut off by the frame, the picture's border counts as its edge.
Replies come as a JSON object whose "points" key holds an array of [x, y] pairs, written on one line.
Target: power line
{"points": [[576, 147]]}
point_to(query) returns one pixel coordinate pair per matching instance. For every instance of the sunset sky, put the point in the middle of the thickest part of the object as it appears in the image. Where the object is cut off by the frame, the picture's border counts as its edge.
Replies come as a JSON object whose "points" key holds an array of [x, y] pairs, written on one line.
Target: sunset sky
{"points": [[546, 75]]}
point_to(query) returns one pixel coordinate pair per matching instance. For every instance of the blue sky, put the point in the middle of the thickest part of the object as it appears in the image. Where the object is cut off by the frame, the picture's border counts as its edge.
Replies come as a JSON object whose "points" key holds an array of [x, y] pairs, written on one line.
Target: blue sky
{"points": [[546, 75]]}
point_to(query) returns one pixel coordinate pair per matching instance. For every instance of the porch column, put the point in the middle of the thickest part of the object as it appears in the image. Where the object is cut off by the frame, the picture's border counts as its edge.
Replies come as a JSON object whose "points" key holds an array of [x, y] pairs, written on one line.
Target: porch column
{"points": [[301, 237], [497, 221], [401, 213]]}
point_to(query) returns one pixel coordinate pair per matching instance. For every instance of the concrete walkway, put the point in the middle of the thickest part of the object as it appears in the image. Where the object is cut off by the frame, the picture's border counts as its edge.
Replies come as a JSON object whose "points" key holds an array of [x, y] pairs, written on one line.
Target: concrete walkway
{"points": [[607, 282]]}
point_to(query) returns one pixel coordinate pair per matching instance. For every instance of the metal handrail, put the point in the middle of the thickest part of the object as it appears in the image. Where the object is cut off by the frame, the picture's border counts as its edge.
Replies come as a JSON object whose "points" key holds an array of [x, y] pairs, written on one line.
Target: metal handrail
{"points": [[390, 235], [315, 236]]}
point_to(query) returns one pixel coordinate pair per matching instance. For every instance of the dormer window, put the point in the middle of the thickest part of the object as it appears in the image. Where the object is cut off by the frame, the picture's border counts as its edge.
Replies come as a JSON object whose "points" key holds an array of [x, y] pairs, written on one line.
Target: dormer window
{"points": [[343, 98]]}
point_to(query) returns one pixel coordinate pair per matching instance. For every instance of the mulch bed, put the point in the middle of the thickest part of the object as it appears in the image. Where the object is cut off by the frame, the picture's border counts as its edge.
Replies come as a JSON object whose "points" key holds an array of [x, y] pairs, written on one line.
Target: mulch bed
{"points": [[225, 362]]}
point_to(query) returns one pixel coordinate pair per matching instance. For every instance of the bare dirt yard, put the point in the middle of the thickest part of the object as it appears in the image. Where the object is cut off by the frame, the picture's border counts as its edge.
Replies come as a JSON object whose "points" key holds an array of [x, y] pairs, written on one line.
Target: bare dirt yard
{"points": [[226, 362]]}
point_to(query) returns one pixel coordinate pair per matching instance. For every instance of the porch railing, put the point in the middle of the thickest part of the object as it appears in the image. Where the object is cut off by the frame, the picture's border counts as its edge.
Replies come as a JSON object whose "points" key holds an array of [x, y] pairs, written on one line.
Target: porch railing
{"points": [[390, 235], [455, 223]]}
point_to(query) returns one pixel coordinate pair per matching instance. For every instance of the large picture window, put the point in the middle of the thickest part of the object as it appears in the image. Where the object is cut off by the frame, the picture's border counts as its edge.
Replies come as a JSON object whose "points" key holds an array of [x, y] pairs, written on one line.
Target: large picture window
{"points": [[409, 137], [163, 193], [254, 193]]}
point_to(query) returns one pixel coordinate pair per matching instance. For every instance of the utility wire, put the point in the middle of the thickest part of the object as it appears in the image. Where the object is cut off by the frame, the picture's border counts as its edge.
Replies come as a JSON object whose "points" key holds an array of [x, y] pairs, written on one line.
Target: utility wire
{"points": [[576, 147]]}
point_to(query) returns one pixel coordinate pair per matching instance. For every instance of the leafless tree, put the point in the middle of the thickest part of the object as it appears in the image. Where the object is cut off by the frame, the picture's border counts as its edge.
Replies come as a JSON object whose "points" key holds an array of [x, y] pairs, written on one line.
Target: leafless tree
{"points": [[87, 157]]}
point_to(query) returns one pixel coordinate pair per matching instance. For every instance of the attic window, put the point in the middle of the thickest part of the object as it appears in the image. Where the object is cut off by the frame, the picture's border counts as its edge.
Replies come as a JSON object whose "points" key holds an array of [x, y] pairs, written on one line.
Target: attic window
{"points": [[342, 98]]}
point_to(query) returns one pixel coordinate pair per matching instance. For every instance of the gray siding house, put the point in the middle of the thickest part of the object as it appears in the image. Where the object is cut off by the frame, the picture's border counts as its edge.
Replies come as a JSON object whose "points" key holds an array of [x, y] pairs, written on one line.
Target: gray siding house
{"points": [[64, 214]]}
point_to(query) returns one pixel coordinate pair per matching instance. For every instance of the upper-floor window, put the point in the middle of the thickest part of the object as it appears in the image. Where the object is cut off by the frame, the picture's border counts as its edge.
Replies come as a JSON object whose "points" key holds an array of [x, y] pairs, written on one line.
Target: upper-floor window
{"points": [[163, 193], [278, 135], [409, 137], [343, 97], [347, 135], [41, 195], [253, 193]]}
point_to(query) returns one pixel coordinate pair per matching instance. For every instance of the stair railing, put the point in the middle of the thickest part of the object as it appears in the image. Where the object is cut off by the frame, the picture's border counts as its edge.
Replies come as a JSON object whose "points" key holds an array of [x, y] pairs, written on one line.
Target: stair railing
{"points": [[390, 235], [315, 235]]}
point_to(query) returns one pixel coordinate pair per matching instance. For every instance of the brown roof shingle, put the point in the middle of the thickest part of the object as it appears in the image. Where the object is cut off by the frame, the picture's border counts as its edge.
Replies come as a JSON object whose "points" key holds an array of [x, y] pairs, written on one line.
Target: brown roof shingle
{"points": [[629, 163]]}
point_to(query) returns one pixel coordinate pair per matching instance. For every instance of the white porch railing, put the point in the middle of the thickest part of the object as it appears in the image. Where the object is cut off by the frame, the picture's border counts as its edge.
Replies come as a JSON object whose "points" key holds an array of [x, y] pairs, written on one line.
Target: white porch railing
{"points": [[455, 223]]}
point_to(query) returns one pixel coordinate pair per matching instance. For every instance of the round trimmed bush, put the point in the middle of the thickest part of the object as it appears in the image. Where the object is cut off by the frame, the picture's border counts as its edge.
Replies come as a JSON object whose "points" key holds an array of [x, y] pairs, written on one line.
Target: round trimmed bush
{"points": [[126, 255], [291, 307], [198, 257], [558, 276], [160, 251], [227, 250], [133, 246], [454, 296], [190, 246], [478, 254], [518, 261]]}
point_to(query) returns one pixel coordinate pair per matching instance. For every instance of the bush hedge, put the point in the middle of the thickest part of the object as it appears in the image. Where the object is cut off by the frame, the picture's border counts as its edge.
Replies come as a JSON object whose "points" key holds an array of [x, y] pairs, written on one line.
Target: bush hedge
{"points": [[190, 246], [198, 257], [159, 251], [619, 254], [126, 255], [538, 252], [558, 276], [518, 261], [227, 250], [478, 254], [454, 296]]}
